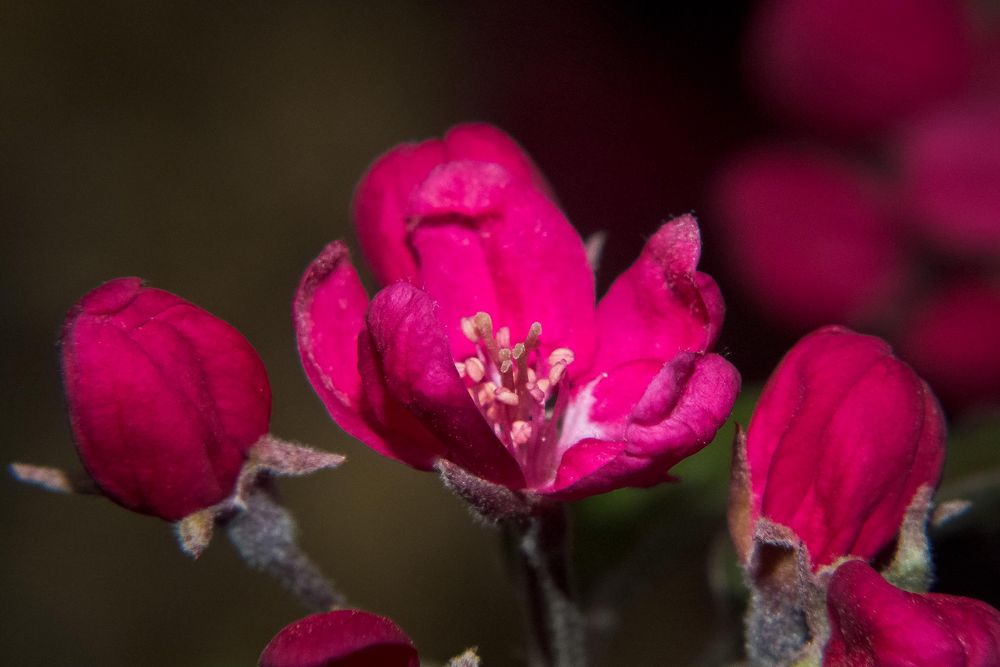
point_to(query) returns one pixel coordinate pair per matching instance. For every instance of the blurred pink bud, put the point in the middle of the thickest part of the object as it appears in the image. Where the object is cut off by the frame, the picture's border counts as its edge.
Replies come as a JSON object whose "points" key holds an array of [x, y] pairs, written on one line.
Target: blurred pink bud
{"points": [[952, 341], [951, 178], [341, 638], [842, 438], [874, 623], [164, 398], [853, 66], [491, 354], [807, 234]]}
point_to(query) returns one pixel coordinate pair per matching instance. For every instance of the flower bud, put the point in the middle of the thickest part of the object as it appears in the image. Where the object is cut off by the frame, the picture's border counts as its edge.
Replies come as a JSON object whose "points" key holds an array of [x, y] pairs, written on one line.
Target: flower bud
{"points": [[164, 398], [843, 437], [340, 638], [854, 66], [874, 623], [808, 235], [950, 172], [951, 339]]}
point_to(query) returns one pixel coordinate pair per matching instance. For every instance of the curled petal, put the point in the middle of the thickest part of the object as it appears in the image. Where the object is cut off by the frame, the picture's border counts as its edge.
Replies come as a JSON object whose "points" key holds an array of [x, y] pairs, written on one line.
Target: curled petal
{"points": [[843, 436], [874, 623], [329, 311], [165, 399], [661, 305], [403, 436], [382, 197], [418, 371], [622, 442], [487, 241], [486, 143], [345, 637]]}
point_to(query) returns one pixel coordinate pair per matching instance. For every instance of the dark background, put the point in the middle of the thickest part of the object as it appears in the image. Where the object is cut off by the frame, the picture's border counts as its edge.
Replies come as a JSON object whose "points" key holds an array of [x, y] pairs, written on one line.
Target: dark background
{"points": [[212, 148]]}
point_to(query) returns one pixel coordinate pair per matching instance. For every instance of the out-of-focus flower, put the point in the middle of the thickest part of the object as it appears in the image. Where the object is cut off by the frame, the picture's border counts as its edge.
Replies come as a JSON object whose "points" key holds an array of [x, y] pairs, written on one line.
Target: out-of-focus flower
{"points": [[853, 66], [952, 340], [842, 438], [950, 163], [341, 638], [807, 235], [874, 623], [489, 354], [165, 399]]}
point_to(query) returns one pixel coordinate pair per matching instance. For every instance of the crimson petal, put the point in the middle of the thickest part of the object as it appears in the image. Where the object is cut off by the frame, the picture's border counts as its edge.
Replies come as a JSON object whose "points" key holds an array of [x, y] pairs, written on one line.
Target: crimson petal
{"points": [[418, 370]]}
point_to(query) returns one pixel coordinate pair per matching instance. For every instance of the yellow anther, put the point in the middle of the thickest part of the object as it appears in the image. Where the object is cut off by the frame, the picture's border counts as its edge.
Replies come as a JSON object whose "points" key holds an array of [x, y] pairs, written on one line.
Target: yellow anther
{"points": [[460, 367], [506, 396], [469, 329], [556, 372], [503, 356], [518, 351], [485, 393], [474, 368], [561, 354], [520, 432]]}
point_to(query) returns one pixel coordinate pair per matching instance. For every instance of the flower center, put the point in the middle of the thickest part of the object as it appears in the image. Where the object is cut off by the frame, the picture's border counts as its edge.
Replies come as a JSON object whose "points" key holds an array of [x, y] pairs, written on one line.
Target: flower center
{"points": [[516, 389]]}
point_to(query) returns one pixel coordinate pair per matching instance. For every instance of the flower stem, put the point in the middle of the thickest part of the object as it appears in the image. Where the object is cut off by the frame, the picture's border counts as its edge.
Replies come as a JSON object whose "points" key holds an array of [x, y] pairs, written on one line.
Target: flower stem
{"points": [[556, 624], [264, 536]]}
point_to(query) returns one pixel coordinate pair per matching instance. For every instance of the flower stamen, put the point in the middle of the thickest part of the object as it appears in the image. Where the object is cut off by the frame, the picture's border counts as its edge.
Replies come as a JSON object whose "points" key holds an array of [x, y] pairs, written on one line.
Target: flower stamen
{"points": [[513, 385]]}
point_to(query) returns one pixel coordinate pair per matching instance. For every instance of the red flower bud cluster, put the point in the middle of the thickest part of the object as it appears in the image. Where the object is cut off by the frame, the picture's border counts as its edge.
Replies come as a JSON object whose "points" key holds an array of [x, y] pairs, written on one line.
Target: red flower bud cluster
{"points": [[839, 462]]}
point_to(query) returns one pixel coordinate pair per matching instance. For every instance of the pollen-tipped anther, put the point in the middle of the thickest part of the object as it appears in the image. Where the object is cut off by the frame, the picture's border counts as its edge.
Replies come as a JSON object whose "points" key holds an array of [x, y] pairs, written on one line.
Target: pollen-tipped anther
{"points": [[520, 432], [506, 396], [469, 329], [474, 369]]}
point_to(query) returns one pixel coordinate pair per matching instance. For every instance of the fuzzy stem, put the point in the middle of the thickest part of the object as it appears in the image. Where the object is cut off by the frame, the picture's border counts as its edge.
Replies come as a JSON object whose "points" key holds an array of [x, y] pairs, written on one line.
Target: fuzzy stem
{"points": [[541, 542], [264, 536], [776, 628]]}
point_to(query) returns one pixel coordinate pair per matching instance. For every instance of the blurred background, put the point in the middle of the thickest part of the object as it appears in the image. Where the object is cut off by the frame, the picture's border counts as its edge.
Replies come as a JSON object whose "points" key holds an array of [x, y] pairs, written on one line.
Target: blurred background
{"points": [[844, 164]]}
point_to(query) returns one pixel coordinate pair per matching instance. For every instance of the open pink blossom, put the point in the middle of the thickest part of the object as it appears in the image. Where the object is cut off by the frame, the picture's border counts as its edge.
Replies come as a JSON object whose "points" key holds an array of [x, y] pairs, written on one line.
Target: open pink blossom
{"points": [[808, 234], [164, 398], [851, 66], [874, 623], [843, 436], [341, 638], [490, 354]]}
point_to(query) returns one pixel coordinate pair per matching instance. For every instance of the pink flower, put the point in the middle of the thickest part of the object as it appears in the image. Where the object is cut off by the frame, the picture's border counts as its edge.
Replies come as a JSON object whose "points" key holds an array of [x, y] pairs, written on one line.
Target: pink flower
{"points": [[952, 338], [951, 177], [808, 235], [340, 638], [875, 623], [164, 398], [842, 438], [488, 353], [857, 65]]}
